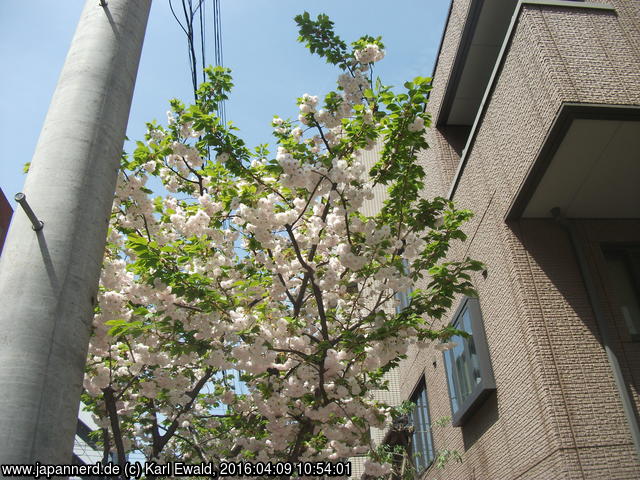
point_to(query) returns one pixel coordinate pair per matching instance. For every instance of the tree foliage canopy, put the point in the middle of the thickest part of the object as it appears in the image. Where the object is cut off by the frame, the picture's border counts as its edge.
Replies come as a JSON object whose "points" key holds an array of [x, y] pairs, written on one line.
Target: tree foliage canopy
{"points": [[264, 267]]}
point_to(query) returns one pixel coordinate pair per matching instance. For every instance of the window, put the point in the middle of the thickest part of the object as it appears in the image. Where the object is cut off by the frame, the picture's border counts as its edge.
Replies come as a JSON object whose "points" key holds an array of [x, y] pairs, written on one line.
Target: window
{"points": [[404, 297], [421, 440], [623, 267], [469, 373]]}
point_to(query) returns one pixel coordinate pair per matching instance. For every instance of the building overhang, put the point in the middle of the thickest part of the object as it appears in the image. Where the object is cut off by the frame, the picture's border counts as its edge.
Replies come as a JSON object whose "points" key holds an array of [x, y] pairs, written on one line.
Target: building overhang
{"points": [[588, 166], [482, 37], [463, 57], [485, 36]]}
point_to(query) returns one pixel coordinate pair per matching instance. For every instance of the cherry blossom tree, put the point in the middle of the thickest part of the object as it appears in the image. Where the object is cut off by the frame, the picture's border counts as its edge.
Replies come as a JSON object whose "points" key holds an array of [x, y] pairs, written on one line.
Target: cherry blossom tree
{"points": [[267, 268]]}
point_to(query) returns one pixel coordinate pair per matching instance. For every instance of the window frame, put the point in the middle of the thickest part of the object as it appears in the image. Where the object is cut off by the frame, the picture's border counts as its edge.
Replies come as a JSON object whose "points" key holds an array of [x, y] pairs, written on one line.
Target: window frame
{"points": [[421, 390], [621, 251], [487, 383]]}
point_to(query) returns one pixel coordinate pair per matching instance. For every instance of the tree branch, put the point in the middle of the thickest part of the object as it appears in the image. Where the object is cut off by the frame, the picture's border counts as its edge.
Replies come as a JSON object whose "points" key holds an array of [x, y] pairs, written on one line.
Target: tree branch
{"points": [[110, 403], [174, 425]]}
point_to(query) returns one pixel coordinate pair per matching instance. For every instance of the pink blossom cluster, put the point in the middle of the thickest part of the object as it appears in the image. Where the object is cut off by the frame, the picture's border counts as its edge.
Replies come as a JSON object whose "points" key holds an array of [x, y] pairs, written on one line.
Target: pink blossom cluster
{"points": [[369, 54]]}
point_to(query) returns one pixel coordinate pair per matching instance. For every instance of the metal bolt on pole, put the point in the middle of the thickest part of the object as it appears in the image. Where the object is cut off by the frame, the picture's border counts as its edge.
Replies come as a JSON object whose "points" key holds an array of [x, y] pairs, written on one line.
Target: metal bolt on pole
{"points": [[48, 281], [36, 224]]}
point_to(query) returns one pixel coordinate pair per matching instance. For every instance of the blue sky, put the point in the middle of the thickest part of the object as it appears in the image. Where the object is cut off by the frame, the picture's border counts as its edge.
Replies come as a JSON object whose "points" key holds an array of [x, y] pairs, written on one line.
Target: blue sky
{"points": [[270, 68]]}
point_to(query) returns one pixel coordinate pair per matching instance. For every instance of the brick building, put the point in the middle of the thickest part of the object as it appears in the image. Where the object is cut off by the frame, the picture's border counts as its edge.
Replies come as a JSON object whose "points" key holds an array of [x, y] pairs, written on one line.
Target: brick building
{"points": [[536, 128]]}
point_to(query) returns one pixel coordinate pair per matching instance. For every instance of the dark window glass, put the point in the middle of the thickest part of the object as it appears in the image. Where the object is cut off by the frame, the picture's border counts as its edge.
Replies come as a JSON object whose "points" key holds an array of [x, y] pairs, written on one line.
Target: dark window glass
{"points": [[623, 265]]}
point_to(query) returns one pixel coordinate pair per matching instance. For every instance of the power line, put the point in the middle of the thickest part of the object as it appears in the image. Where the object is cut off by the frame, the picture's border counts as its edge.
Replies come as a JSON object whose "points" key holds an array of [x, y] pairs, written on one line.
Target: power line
{"points": [[196, 29], [217, 32]]}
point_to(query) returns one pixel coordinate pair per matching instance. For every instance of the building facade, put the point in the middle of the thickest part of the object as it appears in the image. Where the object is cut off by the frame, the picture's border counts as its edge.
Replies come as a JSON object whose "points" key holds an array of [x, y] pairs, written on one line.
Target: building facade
{"points": [[536, 128]]}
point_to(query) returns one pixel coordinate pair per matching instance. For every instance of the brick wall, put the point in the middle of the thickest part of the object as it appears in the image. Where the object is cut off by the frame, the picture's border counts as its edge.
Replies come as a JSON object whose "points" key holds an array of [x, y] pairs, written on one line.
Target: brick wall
{"points": [[556, 412]]}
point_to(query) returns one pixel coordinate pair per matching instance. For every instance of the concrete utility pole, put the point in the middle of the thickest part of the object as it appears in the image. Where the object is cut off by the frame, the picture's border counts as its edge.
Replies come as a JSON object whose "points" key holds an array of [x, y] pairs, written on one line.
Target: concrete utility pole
{"points": [[49, 277]]}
